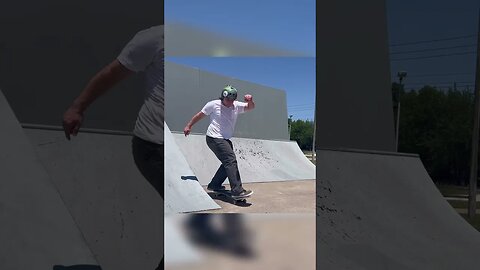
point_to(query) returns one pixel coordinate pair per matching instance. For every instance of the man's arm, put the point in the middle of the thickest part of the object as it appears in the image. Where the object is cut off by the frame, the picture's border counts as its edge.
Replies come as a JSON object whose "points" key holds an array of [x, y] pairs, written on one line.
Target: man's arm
{"points": [[98, 85], [250, 104], [197, 117]]}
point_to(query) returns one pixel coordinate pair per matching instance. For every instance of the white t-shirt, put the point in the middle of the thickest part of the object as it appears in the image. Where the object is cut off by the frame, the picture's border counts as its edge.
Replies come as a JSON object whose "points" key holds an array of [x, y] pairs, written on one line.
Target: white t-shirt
{"points": [[145, 53], [222, 118]]}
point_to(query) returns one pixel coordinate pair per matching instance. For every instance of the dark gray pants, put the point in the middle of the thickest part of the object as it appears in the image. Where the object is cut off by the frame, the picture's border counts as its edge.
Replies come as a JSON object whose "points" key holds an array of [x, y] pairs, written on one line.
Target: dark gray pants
{"points": [[223, 149], [148, 157]]}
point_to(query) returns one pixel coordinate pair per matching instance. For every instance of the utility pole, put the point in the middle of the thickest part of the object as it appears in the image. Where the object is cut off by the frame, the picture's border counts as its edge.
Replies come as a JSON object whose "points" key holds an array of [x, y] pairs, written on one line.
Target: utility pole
{"points": [[401, 75], [290, 126], [314, 131], [472, 197]]}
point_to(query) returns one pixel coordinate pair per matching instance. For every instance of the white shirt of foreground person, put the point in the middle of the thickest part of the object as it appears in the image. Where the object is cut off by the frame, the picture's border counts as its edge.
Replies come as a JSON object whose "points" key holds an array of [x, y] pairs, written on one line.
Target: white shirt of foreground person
{"points": [[145, 53]]}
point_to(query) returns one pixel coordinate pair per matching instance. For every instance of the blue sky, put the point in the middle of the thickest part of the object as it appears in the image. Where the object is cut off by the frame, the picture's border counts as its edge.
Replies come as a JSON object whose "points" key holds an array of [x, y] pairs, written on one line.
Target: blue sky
{"points": [[448, 61], [286, 24]]}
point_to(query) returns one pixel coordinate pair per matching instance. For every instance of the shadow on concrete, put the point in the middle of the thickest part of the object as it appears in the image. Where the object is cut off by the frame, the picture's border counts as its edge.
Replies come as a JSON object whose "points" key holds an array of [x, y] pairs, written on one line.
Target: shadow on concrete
{"points": [[189, 177], [221, 233], [77, 267]]}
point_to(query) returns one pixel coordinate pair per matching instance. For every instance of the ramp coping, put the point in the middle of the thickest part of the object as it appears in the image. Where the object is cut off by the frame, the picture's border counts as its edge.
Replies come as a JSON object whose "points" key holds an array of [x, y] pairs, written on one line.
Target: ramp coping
{"points": [[83, 130], [366, 151]]}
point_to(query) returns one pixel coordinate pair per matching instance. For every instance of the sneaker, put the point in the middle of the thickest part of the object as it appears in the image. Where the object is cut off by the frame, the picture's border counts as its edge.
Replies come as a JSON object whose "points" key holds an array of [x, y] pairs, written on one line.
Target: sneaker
{"points": [[243, 194], [217, 188]]}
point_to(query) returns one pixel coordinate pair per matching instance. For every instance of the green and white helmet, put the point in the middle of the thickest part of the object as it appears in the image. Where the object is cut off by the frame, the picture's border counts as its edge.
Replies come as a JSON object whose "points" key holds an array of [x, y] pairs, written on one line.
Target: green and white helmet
{"points": [[229, 92]]}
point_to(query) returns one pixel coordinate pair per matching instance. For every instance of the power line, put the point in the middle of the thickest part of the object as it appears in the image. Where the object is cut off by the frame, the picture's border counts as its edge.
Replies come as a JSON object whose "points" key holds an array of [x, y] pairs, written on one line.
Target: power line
{"points": [[431, 83], [437, 83], [435, 49], [301, 105], [301, 110], [305, 108], [439, 74], [446, 87], [441, 85], [432, 56], [431, 40]]}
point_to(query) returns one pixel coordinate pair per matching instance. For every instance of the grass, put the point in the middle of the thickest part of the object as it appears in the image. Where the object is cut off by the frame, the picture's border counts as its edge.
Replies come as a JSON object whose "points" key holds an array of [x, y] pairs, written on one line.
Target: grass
{"points": [[308, 154], [460, 192], [452, 191], [475, 222], [461, 204]]}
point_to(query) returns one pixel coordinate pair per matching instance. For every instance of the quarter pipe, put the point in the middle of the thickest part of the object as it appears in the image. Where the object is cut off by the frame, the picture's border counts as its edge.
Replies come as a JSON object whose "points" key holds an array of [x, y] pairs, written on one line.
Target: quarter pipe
{"points": [[379, 210]]}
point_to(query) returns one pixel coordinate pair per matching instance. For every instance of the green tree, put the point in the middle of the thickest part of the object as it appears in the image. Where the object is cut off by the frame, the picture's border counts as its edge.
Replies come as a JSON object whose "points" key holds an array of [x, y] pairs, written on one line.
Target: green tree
{"points": [[302, 132], [437, 125]]}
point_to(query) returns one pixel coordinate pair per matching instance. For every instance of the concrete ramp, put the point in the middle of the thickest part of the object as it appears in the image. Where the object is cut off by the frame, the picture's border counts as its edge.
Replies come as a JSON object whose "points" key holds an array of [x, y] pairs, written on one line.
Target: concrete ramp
{"points": [[258, 160], [183, 193], [382, 211], [37, 231], [119, 213]]}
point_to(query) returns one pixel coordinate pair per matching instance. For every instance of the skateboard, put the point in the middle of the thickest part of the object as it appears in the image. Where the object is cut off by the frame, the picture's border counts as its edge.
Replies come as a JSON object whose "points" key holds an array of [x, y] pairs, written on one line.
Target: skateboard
{"points": [[228, 194]]}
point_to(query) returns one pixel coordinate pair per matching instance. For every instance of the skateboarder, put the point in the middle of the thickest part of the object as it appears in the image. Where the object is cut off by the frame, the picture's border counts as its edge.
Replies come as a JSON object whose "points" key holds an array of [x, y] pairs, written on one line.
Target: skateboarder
{"points": [[223, 114], [144, 53]]}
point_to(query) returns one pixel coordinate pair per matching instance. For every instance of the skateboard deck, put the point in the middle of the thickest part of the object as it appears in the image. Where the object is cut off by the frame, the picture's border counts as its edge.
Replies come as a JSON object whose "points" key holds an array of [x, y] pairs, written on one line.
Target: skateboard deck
{"points": [[228, 194]]}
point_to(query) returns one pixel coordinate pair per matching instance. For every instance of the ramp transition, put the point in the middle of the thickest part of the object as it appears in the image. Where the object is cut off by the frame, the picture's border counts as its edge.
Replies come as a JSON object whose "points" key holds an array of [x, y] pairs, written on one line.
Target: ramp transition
{"points": [[382, 211], [119, 213], [258, 160], [183, 193], [38, 231]]}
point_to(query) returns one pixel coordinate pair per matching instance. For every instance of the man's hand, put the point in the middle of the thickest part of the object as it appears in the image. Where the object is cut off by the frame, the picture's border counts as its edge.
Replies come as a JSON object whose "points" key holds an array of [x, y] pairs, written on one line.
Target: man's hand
{"points": [[187, 130], [247, 98], [105, 79], [72, 121], [197, 117]]}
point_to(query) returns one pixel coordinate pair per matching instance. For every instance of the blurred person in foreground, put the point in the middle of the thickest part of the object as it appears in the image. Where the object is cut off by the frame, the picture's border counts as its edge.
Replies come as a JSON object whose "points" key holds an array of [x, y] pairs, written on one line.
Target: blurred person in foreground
{"points": [[143, 53]]}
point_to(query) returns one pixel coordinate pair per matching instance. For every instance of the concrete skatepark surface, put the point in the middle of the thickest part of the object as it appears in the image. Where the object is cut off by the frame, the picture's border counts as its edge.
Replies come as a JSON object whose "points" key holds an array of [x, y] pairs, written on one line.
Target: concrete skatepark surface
{"points": [[286, 197], [186, 170], [271, 239], [382, 211]]}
